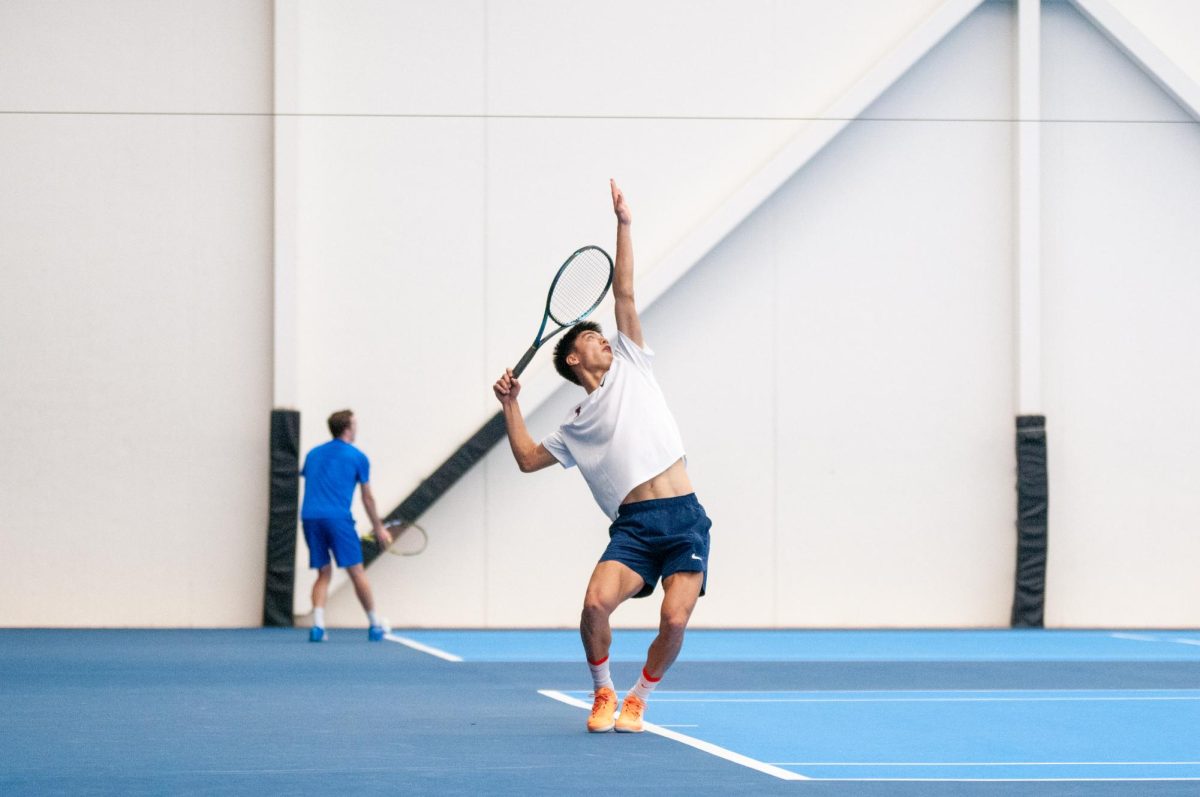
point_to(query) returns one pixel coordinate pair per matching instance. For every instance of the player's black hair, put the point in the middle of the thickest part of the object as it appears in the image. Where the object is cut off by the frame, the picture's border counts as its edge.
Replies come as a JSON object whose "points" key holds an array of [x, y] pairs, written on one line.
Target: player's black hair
{"points": [[566, 345]]}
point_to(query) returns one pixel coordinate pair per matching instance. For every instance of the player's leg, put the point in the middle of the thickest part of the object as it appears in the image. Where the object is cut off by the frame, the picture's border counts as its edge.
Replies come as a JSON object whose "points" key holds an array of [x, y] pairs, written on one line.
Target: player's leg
{"points": [[347, 550], [362, 588], [684, 540], [320, 591], [680, 593], [316, 538], [611, 584]]}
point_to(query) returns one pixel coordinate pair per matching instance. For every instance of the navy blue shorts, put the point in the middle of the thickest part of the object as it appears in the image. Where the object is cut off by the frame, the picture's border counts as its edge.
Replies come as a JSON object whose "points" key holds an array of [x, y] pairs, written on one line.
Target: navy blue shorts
{"points": [[660, 537], [332, 534]]}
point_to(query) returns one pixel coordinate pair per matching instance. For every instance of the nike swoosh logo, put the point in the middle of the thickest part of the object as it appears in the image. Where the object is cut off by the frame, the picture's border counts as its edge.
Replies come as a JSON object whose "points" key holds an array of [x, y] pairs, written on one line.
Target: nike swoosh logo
{"points": [[697, 558]]}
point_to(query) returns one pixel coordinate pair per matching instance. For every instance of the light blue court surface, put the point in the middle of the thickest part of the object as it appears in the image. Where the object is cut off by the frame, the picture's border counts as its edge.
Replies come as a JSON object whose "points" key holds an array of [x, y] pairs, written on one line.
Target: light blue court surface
{"points": [[1089, 723], [814, 646], [1035, 735]]}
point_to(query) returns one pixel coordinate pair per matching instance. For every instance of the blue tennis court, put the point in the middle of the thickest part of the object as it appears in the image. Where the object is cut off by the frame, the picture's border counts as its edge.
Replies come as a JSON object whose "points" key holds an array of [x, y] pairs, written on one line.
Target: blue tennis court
{"points": [[255, 711], [899, 734], [954, 735], [796, 645]]}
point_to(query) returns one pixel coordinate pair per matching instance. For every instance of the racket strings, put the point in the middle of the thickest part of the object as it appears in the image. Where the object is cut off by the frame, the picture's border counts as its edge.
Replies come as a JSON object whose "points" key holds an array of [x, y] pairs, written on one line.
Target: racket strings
{"points": [[581, 286]]}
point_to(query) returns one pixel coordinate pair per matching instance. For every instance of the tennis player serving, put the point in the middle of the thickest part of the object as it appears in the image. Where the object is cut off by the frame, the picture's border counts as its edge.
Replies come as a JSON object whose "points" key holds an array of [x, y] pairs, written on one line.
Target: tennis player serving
{"points": [[629, 450]]}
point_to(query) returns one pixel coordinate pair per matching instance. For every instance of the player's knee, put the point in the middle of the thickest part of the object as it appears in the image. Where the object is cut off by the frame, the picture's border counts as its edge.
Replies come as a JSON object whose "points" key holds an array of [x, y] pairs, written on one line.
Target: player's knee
{"points": [[674, 622], [595, 607]]}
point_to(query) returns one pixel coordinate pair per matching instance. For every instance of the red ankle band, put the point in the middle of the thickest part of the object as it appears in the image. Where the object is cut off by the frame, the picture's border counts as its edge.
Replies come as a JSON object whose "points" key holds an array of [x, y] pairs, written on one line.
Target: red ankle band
{"points": [[597, 663], [650, 678]]}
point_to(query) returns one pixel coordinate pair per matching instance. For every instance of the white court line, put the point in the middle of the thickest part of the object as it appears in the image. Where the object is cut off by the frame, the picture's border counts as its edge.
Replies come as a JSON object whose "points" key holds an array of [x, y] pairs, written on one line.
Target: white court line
{"points": [[658, 698], [993, 780], [926, 699], [706, 747], [1150, 638], [412, 643], [985, 763]]}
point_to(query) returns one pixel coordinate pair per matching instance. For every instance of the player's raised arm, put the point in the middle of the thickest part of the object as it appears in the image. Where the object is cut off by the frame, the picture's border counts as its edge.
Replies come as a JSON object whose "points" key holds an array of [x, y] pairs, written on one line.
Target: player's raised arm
{"points": [[627, 316]]}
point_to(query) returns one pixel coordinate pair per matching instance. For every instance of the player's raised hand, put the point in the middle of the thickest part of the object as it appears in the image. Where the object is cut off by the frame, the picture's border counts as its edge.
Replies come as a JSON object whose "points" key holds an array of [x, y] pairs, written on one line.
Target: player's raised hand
{"points": [[507, 387], [619, 206]]}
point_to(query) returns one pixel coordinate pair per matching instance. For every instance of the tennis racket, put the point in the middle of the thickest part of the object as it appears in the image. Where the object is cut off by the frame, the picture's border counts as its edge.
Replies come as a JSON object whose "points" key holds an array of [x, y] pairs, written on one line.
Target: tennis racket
{"points": [[408, 538], [579, 286]]}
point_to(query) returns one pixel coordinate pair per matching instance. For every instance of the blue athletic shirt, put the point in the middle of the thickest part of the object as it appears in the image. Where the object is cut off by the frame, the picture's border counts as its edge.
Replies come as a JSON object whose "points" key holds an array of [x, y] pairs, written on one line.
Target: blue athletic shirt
{"points": [[331, 472]]}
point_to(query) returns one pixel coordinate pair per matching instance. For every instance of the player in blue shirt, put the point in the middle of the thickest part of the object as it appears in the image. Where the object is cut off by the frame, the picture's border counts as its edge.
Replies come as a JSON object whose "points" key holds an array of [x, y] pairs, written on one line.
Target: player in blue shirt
{"points": [[331, 472]]}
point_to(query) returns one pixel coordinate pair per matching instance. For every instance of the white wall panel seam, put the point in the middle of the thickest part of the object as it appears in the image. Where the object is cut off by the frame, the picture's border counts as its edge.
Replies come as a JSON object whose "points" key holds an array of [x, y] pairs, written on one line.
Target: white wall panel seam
{"points": [[1028, 179], [483, 331]]}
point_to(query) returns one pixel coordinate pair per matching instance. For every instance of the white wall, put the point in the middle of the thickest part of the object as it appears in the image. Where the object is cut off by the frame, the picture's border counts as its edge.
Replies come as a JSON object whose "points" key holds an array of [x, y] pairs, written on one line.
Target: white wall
{"points": [[857, 456], [1122, 370], [135, 346]]}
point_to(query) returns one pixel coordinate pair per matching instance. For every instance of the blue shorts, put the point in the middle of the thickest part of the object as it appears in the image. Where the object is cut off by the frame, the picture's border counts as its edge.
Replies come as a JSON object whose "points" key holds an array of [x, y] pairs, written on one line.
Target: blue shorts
{"points": [[325, 534], [660, 537]]}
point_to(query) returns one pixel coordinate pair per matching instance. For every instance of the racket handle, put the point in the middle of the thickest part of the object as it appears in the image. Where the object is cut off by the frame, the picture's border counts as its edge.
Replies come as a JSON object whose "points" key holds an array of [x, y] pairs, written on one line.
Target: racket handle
{"points": [[524, 361]]}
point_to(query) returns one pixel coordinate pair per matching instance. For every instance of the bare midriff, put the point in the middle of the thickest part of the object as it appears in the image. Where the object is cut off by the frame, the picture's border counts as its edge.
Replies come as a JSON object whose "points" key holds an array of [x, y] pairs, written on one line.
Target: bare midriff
{"points": [[671, 483]]}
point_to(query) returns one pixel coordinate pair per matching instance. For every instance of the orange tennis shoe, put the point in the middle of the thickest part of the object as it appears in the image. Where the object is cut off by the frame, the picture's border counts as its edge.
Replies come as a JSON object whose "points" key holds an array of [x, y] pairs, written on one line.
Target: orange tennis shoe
{"points": [[603, 709], [632, 710]]}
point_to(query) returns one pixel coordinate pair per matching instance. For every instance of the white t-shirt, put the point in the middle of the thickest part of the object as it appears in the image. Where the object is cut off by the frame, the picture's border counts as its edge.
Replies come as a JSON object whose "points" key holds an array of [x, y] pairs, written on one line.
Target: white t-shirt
{"points": [[622, 434]]}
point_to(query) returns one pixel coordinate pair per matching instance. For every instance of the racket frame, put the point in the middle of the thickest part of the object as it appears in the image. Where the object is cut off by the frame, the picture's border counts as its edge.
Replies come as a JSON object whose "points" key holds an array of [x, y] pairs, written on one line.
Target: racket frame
{"points": [[539, 341], [406, 526], [370, 537]]}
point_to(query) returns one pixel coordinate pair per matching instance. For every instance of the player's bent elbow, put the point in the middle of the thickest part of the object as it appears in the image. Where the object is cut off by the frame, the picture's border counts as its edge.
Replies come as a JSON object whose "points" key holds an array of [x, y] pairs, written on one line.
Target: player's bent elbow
{"points": [[526, 464], [536, 460]]}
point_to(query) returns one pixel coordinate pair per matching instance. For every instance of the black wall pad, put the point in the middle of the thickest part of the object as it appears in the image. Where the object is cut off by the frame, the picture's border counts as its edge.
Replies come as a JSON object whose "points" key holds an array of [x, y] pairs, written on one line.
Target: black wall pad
{"points": [[281, 524], [444, 477], [1033, 500]]}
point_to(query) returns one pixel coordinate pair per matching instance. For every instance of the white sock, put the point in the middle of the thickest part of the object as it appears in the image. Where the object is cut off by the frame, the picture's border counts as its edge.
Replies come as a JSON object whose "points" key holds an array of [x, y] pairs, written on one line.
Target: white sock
{"points": [[319, 617], [645, 685], [373, 619], [600, 675]]}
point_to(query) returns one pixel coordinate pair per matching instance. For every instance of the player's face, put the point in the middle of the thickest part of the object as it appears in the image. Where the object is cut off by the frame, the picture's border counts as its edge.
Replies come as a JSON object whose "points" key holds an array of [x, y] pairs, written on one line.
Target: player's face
{"points": [[593, 351], [353, 428]]}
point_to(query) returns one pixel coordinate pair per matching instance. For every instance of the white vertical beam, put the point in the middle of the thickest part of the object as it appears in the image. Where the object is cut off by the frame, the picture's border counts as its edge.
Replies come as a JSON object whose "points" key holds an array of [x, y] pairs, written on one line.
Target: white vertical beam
{"points": [[286, 131], [1029, 209], [1144, 52]]}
